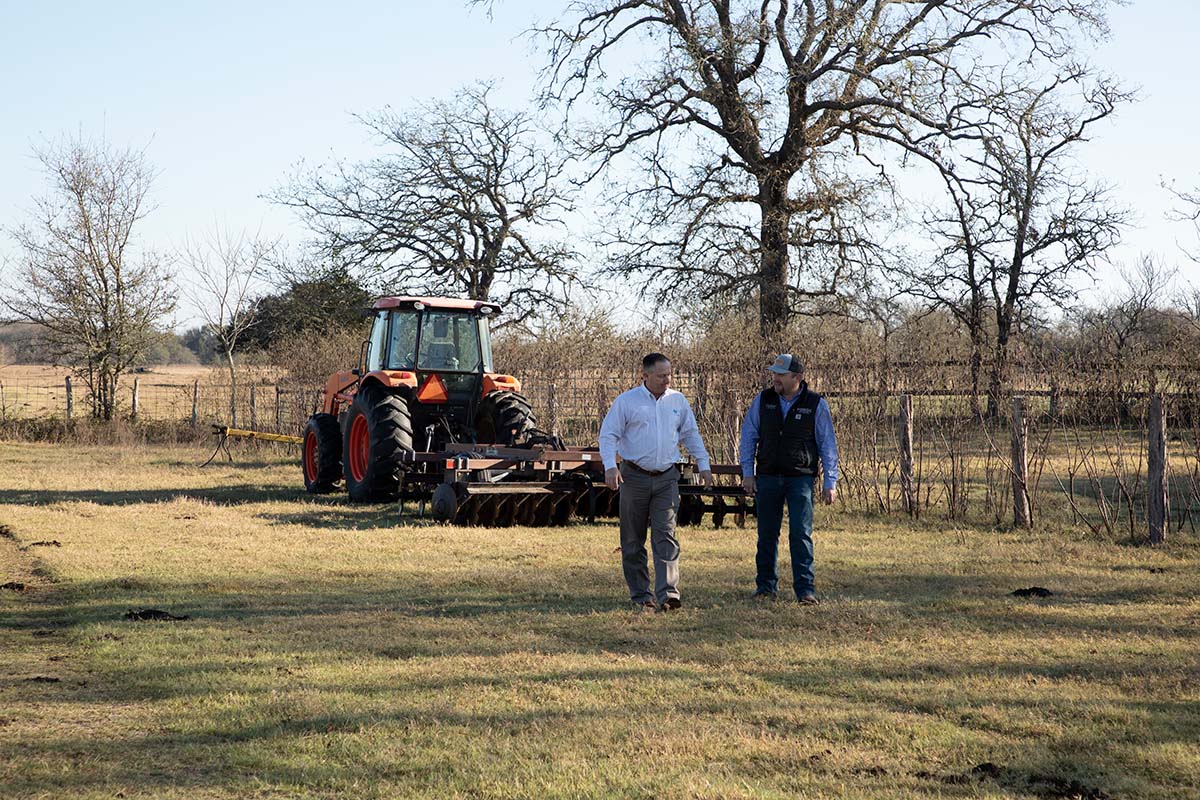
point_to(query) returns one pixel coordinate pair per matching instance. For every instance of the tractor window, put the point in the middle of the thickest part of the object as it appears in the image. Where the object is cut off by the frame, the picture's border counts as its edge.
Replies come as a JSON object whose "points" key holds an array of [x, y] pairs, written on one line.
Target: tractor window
{"points": [[402, 352], [485, 340], [449, 341], [375, 353]]}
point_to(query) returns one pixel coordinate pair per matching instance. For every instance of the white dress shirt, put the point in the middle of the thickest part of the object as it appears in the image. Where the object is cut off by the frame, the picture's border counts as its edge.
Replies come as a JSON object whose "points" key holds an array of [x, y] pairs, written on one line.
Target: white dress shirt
{"points": [[648, 431]]}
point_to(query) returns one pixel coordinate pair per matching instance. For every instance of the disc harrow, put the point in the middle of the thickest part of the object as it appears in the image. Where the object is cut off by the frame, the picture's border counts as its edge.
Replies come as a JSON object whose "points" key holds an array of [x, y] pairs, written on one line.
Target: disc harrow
{"points": [[497, 487]]}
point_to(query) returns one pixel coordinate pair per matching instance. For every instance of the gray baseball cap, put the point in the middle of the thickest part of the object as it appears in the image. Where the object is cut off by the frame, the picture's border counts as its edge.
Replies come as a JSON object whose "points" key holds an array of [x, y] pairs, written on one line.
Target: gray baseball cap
{"points": [[785, 363]]}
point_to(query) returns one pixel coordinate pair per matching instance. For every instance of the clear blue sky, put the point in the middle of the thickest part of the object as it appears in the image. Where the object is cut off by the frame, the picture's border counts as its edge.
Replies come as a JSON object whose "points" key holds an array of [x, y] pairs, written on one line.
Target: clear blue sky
{"points": [[227, 97]]}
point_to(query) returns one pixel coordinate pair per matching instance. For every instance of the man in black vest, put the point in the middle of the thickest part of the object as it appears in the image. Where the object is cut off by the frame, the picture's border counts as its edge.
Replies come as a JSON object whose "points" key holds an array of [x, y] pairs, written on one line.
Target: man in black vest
{"points": [[786, 432]]}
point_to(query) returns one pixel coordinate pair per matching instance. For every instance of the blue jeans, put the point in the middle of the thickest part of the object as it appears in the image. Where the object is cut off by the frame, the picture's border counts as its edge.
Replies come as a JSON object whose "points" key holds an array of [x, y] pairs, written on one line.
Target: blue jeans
{"points": [[771, 491]]}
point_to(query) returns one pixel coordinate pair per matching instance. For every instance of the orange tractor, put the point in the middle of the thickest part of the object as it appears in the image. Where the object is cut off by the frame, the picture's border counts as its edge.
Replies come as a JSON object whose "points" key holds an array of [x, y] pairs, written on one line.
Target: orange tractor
{"points": [[424, 380], [424, 418]]}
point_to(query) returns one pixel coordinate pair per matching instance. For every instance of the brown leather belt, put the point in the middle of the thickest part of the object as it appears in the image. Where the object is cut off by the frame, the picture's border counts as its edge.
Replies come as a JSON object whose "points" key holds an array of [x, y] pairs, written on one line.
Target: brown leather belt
{"points": [[650, 472]]}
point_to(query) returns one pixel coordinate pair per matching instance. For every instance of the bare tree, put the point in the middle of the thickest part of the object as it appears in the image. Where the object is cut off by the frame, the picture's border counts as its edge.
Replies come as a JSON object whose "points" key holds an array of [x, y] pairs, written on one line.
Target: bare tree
{"points": [[465, 202], [228, 269], [954, 279], [1117, 328], [764, 103], [1188, 211], [81, 274], [1022, 222]]}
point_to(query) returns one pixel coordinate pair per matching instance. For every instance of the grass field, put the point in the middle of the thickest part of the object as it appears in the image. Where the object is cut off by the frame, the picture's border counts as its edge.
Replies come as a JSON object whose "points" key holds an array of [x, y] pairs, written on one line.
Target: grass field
{"points": [[331, 652]]}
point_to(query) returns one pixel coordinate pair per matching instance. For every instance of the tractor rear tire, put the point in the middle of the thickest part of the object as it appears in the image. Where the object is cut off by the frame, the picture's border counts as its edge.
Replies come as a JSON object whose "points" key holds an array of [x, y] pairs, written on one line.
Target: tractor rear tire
{"points": [[503, 418], [378, 445], [322, 460]]}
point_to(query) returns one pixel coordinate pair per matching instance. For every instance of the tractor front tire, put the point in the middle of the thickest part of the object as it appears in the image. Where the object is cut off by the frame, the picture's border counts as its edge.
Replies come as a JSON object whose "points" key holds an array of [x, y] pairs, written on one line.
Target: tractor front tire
{"points": [[503, 418], [322, 454], [378, 445]]}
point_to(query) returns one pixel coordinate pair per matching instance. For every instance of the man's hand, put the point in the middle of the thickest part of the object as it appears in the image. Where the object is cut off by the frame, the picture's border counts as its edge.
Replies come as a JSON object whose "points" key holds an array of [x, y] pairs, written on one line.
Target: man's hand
{"points": [[706, 478], [612, 478], [748, 483], [828, 496]]}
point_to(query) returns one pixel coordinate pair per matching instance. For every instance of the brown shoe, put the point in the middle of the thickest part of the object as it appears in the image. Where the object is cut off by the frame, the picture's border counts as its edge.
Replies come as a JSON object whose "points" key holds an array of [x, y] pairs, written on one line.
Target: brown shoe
{"points": [[646, 607], [670, 604], [807, 599]]}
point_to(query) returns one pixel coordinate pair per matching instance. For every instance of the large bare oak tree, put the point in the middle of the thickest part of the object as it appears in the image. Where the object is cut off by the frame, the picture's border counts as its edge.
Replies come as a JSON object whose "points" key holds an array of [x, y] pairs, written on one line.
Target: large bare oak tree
{"points": [[744, 114]]}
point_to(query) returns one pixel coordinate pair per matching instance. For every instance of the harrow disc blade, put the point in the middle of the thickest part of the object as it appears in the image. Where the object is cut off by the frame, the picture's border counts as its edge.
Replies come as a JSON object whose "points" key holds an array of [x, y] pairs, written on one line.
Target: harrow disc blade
{"points": [[718, 511], [444, 504], [561, 509]]}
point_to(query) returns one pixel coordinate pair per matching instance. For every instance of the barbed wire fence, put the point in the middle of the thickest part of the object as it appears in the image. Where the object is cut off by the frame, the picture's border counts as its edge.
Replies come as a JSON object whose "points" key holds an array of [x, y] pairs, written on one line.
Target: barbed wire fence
{"points": [[1087, 442]]}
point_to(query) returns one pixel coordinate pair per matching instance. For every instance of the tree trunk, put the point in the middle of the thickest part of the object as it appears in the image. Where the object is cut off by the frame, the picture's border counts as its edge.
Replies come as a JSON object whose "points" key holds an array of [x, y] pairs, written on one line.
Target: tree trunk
{"points": [[998, 380], [976, 373], [773, 276]]}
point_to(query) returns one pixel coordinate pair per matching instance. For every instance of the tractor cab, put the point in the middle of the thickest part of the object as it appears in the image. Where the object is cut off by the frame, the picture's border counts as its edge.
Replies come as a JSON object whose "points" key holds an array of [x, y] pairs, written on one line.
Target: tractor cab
{"points": [[425, 336]]}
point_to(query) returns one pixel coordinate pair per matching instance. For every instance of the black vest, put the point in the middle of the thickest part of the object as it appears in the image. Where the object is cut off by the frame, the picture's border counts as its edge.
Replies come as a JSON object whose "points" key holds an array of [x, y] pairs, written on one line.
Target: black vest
{"points": [[787, 446]]}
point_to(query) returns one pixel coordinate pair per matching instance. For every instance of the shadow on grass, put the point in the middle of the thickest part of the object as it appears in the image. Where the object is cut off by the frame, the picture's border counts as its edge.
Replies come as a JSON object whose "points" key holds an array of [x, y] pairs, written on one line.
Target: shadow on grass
{"points": [[406, 649], [239, 494]]}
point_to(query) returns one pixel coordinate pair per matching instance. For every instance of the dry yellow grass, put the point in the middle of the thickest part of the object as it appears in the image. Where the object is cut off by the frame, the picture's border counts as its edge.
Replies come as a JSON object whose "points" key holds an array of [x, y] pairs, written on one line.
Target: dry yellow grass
{"points": [[332, 653], [171, 374]]}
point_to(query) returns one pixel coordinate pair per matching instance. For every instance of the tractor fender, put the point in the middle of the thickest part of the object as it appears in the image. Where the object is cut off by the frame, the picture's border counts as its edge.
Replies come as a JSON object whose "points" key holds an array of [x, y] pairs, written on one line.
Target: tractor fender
{"points": [[495, 382], [393, 378], [340, 388]]}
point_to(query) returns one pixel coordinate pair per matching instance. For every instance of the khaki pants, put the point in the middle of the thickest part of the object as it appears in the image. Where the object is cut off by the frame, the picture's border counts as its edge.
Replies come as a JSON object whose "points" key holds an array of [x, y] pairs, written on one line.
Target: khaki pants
{"points": [[653, 501]]}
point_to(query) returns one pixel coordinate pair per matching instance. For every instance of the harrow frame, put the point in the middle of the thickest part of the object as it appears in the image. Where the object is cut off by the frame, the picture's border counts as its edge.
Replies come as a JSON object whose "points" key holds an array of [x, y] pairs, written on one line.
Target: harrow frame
{"points": [[499, 486]]}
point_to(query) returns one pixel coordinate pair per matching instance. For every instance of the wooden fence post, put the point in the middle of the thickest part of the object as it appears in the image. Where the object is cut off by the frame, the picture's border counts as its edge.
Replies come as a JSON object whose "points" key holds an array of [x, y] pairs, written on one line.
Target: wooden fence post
{"points": [[1157, 498], [70, 400], [195, 403], [278, 409], [137, 382], [552, 409], [1022, 512], [253, 407], [906, 454]]}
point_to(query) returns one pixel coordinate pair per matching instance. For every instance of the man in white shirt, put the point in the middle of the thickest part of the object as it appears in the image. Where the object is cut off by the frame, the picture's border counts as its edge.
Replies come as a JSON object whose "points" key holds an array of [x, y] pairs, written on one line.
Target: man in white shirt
{"points": [[645, 426]]}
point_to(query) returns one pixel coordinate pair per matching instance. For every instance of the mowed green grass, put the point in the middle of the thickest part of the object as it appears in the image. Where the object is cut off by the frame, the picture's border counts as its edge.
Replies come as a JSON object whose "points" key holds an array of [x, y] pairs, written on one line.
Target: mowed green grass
{"points": [[333, 652]]}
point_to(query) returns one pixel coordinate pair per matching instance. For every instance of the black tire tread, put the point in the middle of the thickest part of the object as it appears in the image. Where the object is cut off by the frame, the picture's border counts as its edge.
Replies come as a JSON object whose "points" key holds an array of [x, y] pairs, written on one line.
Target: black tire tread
{"points": [[390, 424], [501, 413], [329, 453]]}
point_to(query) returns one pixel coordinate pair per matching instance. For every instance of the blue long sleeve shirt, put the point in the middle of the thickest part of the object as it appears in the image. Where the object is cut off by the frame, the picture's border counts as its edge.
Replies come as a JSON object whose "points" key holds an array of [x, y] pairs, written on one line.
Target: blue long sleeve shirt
{"points": [[823, 429]]}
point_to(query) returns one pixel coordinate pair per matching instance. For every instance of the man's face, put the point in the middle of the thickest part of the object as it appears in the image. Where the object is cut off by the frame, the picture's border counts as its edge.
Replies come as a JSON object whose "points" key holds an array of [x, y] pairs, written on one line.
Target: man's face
{"points": [[658, 377], [786, 384]]}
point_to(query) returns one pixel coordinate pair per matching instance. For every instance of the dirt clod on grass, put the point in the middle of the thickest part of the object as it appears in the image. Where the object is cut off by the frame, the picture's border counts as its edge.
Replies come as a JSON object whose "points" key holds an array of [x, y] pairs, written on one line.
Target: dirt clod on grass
{"points": [[1033, 591], [152, 614], [1050, 787], [43, 679], [14, 586]]}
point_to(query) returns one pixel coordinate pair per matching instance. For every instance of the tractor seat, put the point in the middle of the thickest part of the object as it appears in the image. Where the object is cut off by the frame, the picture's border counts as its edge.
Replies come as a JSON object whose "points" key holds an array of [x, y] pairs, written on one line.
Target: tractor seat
{"points": [[441, 355]]}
